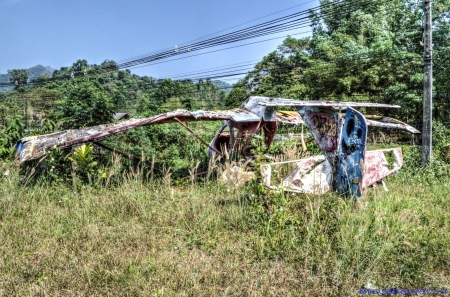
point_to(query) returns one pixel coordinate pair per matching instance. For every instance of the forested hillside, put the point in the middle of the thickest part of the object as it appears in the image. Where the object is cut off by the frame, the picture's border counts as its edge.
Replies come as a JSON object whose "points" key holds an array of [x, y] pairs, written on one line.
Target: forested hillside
{"points": [[33, 72]]}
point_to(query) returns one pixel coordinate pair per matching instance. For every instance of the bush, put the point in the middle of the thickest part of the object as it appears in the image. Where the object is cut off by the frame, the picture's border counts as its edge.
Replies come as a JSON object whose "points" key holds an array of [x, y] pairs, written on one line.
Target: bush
{"points": [[13, 133], [441, 141], [85, 104]]}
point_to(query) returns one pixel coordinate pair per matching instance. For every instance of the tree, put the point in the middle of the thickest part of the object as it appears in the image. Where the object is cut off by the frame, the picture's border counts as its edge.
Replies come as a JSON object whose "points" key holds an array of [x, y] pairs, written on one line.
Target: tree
{"points": [[359, 51], [19, 78], [85, 104]]}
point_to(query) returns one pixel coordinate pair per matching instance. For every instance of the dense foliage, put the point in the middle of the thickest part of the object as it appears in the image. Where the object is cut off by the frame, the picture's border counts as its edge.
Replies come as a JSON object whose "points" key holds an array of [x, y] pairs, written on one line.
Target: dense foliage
{"points": [[370, 52], [366, 51]]}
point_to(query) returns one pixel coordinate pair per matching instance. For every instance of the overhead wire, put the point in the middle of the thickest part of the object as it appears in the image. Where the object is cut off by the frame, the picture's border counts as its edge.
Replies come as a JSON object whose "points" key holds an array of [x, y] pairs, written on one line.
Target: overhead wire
{"points": [[290, 67], [326, 64], [236, 65], [247, 22], [270, 27], [231, 37], [308, 64], [219, 50]]}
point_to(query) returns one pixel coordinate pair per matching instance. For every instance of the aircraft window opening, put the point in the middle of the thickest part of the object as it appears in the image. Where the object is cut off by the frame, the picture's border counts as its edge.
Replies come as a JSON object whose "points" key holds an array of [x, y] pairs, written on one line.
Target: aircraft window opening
{"points": [[223, 139], [225, 130]]}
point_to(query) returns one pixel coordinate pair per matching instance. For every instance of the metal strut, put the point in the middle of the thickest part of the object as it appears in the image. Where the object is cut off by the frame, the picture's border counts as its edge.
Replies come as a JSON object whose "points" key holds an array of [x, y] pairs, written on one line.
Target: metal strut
{"points": [[198, 137]]}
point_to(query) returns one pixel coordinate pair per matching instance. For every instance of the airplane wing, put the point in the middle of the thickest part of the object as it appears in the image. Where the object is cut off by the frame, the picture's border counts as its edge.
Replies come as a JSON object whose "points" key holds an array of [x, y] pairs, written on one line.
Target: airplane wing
{"points": [[386, 122], [265, 107], [254, 109], [276, 102], [33, 147]]}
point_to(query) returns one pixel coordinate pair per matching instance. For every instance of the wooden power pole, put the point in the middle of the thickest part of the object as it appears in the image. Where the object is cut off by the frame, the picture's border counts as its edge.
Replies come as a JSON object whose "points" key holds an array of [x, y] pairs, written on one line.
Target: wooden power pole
{"points": [[427, 85]]}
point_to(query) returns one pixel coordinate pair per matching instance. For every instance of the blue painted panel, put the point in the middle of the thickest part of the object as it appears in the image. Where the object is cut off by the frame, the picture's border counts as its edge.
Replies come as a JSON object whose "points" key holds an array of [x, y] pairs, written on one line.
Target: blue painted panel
{"points": [[19, 147], [352, 149]]}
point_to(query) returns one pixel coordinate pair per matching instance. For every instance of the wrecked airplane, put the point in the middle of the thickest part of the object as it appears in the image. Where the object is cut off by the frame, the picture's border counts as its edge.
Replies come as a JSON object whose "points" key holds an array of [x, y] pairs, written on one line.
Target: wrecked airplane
{"points": [[346, 166]]}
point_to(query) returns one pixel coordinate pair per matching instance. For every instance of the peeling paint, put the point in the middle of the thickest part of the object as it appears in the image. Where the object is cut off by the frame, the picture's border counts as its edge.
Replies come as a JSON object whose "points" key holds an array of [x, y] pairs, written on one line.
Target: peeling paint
{"points": [[389, 123], [314, 175], [289, 117], [310, 176], [274, 102], [352, 149], [325, 126], [377, 167], [345, 166]]}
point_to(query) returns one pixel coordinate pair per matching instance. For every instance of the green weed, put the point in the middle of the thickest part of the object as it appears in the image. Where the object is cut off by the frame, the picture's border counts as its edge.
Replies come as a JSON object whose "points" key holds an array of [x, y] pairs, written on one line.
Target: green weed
{"points": [[143, 237]]}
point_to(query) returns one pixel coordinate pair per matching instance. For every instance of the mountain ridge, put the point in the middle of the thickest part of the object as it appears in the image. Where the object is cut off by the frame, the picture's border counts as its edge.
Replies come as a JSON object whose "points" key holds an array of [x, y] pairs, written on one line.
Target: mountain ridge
{"points": [[33, 72], [39, 70]]}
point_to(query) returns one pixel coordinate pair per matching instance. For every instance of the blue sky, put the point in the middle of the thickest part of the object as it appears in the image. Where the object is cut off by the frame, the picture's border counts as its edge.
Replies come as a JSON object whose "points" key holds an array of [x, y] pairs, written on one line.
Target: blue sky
{"points": [[58, 32]]}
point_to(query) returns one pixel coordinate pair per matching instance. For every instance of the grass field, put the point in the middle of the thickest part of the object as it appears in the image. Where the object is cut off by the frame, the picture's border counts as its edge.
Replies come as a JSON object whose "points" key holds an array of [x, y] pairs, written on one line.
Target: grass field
{"points": [[155, 239]]}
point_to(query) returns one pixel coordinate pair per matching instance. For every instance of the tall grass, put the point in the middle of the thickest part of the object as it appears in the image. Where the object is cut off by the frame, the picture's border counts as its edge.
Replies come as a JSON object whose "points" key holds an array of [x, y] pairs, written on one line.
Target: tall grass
{"points": [[139, 236]]}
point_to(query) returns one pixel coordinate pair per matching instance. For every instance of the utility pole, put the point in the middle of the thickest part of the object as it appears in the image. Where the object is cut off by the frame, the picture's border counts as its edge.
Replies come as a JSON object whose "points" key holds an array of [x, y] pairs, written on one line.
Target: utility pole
{"points": [[427, 85]]}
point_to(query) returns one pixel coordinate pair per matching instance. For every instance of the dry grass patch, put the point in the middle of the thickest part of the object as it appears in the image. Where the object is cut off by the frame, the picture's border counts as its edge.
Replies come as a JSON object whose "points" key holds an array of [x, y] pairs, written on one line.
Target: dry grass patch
{"points": [[150, 239]]}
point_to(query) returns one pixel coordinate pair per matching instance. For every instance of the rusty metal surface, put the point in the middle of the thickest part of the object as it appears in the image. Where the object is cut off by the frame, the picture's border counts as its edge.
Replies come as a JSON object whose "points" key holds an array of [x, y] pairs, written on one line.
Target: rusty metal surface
{"points": [[37, 146], [325, 126], [240, 140], [270, 129], [237, 115], [377, 166], [389, 123], [264, 107], [314, 175], [217, 143], [310, 176], [252, 104], [289, 117], [274, 102]]}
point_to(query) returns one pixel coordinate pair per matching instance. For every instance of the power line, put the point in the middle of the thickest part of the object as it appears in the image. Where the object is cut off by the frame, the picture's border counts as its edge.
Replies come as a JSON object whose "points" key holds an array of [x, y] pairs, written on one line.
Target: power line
{"points": [[213, 68], [270, 27], [188, 42], [287, 23], [308, 64], [219, 50]]}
